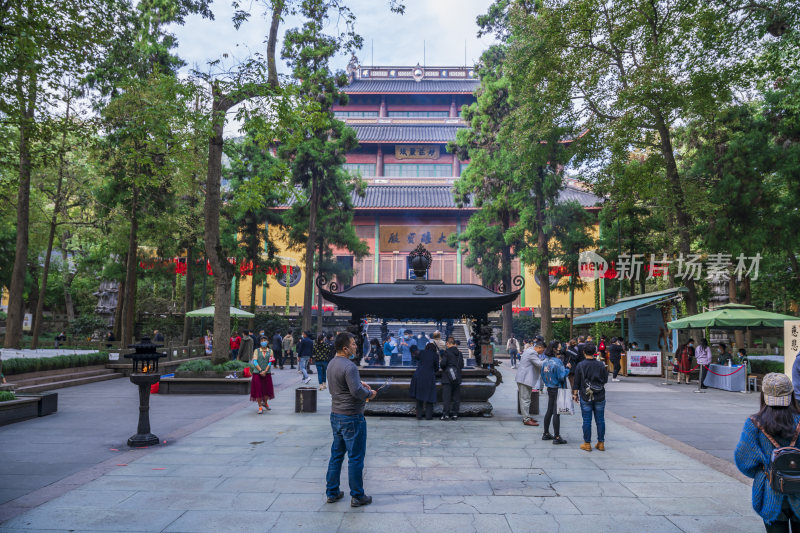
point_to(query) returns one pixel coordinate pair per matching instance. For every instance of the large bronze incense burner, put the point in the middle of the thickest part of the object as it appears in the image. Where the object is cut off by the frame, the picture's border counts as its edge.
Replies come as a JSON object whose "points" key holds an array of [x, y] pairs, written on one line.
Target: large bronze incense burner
{"points": [[432, 300]]}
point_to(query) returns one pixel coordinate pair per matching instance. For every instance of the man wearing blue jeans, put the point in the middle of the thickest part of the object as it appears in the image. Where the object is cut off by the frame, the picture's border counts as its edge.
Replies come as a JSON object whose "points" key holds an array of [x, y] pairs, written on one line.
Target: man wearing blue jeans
{"points": [[348, 397], [304, 350], [591, 377]]}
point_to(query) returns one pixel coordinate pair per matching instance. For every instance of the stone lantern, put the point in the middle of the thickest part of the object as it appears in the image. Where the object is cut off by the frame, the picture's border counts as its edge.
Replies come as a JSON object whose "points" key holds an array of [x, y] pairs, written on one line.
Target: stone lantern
{"points": [[144, 374]]}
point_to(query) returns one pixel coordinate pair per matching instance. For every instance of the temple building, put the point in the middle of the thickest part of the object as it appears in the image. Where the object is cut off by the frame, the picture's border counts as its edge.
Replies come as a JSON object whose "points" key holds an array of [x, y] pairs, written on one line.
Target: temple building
{"points": [[404, 118]]}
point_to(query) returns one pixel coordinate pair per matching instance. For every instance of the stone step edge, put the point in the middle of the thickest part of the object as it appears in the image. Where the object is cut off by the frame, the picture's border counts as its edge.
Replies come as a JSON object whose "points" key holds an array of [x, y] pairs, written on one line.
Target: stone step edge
{"points": [[67, 383]]}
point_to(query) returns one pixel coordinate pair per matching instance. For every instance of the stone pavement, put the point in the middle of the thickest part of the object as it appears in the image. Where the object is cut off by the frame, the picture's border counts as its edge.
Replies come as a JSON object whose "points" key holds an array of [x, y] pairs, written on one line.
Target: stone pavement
{"points": [[249, 472]]}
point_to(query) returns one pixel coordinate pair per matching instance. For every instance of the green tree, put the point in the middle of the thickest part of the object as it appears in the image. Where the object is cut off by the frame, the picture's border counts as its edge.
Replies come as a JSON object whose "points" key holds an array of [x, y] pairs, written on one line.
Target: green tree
{"points": [[489, 180], [638, 69], [42, 44], [571, 236], [318, 147]]}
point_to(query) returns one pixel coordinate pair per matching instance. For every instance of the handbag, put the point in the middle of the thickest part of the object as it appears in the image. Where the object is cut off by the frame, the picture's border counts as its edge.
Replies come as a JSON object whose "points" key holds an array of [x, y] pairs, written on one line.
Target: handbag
{"points": [[564, 403]]}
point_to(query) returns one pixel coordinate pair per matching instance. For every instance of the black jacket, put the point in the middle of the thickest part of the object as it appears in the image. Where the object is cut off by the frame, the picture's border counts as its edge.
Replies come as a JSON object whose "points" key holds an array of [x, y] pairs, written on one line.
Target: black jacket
{"points": [[451, 358], [591, 371], [423, 382]]}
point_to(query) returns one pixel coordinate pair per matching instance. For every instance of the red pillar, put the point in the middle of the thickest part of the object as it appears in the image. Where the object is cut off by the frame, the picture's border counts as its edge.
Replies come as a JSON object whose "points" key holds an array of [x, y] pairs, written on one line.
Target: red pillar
{"points": [[456, 166], [382, 112], [453, 110], [379, 162]]}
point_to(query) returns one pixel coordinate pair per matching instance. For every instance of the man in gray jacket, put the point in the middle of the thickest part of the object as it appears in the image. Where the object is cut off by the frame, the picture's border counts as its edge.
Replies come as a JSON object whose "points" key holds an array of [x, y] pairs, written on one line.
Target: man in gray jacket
{"points": [[528, 377]]}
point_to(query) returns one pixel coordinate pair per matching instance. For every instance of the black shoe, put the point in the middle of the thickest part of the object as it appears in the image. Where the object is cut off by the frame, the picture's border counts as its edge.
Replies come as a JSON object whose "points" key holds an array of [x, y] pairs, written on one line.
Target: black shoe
{"points": [[445, 417], [559, 440], [547, 436], [419, 418], [334, 499], [358, 502]]}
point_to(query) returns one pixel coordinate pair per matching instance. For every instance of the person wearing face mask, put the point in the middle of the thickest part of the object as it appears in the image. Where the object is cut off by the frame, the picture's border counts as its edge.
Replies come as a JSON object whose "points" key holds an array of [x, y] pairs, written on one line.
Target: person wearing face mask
{"points": [[405, 348], [683, 360], [348, 398], [261, 388]]}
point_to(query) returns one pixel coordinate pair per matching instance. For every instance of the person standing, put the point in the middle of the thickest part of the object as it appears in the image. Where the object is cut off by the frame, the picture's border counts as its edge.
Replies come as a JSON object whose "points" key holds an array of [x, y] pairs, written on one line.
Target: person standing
{"points": [[451, 362], [571, 358], [724, 355], [775, 425], [246, 347], [512, 347], [157, 336], [319, 354], [235, 343], [405, 347], [527, 378], [615, 354], [277, 348], [375, 357], [683, 360], [261, 388], [554, 376], [349, 427], [423, 382], [288, 349], [208, 343], [304, 352], [591, 377], [387, 350], [703, 356], [436, 338]]}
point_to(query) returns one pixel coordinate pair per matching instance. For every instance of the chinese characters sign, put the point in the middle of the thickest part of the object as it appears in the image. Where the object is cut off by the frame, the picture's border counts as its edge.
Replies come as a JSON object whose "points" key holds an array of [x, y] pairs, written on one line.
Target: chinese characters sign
{"points": [[791, 344], [406, 238], [416, 151]]}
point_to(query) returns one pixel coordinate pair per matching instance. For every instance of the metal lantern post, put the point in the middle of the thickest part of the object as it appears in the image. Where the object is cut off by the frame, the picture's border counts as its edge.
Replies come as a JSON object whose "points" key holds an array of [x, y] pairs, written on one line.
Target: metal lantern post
{"points": [[144, 374]]}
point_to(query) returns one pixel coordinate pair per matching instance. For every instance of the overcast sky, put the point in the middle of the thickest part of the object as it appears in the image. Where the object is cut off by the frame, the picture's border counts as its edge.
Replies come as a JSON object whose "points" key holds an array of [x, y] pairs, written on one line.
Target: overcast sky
{"points": [[444, 26]]}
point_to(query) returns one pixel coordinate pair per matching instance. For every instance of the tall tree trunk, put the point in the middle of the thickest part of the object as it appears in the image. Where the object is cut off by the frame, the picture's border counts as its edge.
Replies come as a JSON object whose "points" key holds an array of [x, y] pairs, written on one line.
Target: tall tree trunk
{"points": [[69, 276], [748, 336], [308, 285], [543, 271], [505, 269], [37, 319], [681, 215], [118, 310], [252, 322], [795, 266], [571, 304], [126, 335], [26, 96], [733, 297], [223, 270], [188, 297], [319, 290]]}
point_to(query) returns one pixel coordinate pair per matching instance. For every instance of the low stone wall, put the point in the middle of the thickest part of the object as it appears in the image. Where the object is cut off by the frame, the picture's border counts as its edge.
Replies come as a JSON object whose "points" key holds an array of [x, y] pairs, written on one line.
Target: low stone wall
{"points": [[28, 406]]}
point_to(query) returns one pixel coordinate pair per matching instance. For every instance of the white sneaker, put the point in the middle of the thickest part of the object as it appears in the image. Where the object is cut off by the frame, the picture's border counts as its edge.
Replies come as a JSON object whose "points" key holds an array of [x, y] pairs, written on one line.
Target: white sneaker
{"points": [[615, 379], [307, 380]]}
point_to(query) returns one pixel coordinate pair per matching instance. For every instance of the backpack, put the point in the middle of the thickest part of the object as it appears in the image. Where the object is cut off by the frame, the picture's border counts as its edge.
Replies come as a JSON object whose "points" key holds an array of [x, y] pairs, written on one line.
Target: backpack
{"points": [[783, 471]]}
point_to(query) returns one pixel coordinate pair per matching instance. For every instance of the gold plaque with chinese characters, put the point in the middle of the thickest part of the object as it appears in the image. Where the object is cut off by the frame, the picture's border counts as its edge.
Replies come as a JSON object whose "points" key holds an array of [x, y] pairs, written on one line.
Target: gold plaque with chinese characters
{"points": [[416, 151], [406, 238]]}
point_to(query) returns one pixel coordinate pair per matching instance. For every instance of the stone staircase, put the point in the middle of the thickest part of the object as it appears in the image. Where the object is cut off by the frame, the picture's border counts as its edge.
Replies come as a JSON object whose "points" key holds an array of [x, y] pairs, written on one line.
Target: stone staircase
{"points": [[59, 379]]}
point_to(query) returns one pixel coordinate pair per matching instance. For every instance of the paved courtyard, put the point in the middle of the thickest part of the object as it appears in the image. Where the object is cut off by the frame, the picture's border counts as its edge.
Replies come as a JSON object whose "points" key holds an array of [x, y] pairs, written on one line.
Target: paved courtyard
{"points": [[245, 472]]}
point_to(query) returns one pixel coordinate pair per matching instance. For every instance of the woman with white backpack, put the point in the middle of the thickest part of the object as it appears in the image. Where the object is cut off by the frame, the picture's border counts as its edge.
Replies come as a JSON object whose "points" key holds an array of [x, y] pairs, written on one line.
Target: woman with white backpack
{"points": [[554, 375]]}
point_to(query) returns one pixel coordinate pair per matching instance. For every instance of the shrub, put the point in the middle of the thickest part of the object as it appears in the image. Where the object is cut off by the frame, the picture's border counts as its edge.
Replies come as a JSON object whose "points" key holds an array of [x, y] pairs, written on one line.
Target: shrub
{"points": [[270, 323], [87, 325], [204, 365], [22, 365], [765, 367], [7, 396], [526, 327]]}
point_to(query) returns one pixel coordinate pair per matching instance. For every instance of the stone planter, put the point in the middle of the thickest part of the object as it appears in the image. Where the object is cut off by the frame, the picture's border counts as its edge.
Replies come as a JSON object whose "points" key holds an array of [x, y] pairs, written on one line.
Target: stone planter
{"points": [[476, 389], [194, 384], [206, 374], [23, 408]]}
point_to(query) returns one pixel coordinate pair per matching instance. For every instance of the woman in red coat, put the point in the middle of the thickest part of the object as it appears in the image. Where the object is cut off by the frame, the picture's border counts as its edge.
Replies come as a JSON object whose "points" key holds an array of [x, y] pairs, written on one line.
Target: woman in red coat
{"points": [[683, 360]]}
